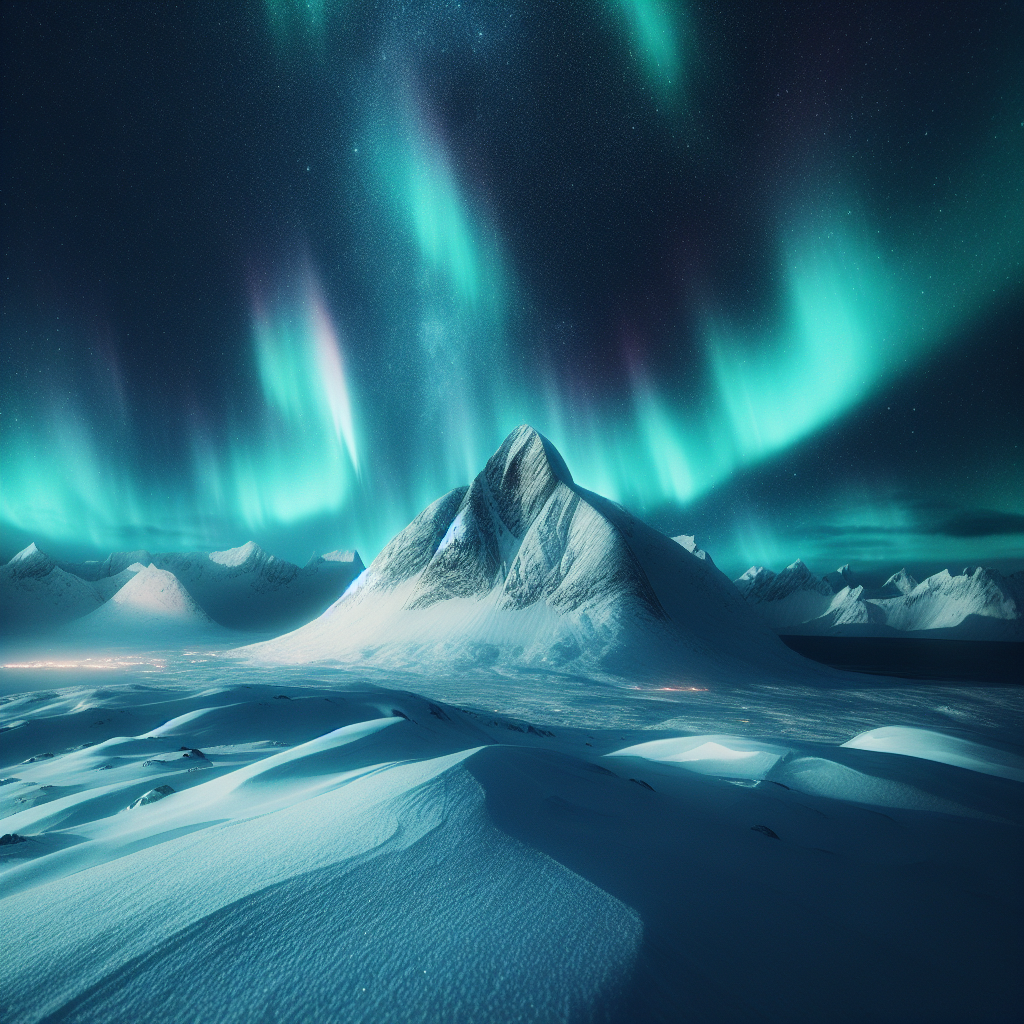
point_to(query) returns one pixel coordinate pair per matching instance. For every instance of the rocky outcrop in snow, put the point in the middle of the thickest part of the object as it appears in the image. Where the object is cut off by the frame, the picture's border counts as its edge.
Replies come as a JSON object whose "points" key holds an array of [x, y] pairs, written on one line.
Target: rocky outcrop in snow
{"points": [[689, 542]]}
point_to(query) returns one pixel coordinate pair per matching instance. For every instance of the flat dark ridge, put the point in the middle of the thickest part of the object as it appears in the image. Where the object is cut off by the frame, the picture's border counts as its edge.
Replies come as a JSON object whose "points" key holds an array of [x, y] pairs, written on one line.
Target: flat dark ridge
{"points": [[971, 661]]}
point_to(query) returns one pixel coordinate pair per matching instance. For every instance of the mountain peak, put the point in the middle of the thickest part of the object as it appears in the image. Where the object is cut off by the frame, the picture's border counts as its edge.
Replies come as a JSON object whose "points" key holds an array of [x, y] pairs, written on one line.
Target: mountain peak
{"points": [[25, 553], [341, 556], [526, 444], [157, 594], [30, 561], [237, 556], [753, 572], [900, 583], [522, 566]]}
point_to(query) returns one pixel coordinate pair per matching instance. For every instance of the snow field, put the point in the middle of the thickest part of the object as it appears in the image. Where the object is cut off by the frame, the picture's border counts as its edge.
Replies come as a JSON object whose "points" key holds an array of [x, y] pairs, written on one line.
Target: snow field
{"points": [[359, 853]]}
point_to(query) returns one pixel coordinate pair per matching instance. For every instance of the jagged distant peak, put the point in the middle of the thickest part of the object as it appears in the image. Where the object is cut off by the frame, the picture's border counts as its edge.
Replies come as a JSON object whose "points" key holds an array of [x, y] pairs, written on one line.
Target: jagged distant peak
{"points": [[237, 556], [799, 566], [341, 556], [30, 562], [841, 578], [900, 582], [26, 553], [754, 572]]}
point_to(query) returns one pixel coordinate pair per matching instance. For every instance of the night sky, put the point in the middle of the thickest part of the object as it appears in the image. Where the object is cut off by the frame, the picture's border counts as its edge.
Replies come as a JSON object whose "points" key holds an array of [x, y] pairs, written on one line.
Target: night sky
{"points": [[290, 270]]}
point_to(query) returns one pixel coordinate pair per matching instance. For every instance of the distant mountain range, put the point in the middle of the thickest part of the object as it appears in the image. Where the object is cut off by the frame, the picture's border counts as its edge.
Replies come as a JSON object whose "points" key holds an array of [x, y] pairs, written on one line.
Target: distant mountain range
{"points": [[241, 588], [979, 604], [521, 567]]}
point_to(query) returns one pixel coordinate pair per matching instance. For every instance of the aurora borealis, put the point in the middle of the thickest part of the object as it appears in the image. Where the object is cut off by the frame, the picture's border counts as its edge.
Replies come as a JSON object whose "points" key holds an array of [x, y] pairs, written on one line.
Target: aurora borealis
{"points": [[290, 270]]}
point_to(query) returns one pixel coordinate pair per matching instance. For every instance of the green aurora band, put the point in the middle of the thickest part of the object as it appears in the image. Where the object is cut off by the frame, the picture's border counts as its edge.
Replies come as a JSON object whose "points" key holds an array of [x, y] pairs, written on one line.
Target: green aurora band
{"points": [[859, 305]]}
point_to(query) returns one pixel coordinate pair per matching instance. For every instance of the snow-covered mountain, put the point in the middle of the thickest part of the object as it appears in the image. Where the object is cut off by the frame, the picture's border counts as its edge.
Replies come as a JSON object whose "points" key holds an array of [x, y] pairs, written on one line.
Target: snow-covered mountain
{"points": [[151, 605], [242, 588], [246, 588], [523, 567], [36, 593], [793, 595], [978, 604], [110, 567]]}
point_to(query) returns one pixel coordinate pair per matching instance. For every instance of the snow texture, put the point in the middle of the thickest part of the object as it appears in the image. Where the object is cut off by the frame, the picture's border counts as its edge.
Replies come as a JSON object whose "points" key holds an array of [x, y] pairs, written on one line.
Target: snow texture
{"points": [[230, 844]]}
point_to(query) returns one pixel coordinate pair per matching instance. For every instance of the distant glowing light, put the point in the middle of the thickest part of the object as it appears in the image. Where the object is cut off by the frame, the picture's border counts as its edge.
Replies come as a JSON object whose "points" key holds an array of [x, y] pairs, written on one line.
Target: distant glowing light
{"points": [[301, 368], [653, 27], [89, 663]]}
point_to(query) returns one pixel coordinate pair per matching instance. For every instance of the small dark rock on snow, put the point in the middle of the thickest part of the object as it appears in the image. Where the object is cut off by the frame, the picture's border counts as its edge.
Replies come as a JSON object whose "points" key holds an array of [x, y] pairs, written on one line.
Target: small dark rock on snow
{"points": [[10, 838], [764, 830], [640, 782]]}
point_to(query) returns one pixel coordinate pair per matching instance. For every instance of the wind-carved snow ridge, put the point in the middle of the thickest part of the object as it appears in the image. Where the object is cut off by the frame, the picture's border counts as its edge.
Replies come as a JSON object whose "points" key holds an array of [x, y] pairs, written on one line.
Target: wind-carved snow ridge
{"points": [[978, 604], [524, 567]]}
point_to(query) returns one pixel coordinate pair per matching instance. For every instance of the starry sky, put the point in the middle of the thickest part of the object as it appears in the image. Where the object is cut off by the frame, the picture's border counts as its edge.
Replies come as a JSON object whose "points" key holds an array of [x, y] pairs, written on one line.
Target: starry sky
{"points": [[290, 269]]}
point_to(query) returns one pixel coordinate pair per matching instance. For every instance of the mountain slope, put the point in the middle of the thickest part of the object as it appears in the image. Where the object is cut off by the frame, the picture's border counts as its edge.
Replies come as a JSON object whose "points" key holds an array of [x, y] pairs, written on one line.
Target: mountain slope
{"points": [[525, 568], [35, 593]]}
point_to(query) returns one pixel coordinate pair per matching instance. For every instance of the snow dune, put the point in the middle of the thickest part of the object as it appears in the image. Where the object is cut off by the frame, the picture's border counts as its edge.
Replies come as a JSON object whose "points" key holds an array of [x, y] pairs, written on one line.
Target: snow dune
{"points": [[351, 852], [934, 746]]}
